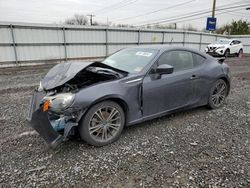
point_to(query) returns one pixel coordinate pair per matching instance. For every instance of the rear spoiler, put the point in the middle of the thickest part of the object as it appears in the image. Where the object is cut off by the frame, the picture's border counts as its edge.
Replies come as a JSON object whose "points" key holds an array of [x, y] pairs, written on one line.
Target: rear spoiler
{"points": [[221, 60]]}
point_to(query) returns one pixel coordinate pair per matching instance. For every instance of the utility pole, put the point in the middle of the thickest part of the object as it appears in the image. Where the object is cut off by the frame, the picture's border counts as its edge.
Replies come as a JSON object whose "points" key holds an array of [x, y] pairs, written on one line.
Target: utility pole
{"points": [[107, 21], [175, 26], [213, 11], [91, 18]]}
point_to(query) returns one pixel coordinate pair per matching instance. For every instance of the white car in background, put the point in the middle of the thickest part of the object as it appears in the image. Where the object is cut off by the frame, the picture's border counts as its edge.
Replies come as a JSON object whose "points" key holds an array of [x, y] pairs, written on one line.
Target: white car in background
{"points": [[225, 47]]}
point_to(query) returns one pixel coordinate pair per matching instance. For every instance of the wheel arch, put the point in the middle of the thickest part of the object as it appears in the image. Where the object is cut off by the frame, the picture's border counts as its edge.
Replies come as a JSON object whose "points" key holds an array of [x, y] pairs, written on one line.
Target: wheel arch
{"points": [[227, 82], [113, 98]]}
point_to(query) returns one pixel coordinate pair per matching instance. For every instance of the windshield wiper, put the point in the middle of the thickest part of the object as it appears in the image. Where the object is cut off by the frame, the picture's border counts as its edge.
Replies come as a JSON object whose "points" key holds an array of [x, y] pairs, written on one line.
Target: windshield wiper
{"points": [[110, 72], [104, 71]]}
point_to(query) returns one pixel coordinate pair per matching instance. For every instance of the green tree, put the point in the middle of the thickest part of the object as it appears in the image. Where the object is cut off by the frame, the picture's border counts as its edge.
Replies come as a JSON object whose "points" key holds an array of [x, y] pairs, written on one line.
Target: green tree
{"points": [[239, 27]]}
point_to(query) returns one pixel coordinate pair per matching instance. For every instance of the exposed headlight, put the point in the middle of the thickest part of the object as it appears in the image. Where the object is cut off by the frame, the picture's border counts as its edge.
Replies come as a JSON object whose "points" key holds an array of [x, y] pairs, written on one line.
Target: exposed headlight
{"points": [[61, 101]]}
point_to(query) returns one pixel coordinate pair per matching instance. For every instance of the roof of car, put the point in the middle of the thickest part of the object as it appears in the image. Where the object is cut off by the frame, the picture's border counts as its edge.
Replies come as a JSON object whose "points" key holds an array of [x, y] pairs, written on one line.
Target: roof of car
{"points": [[162, 47], [223, 39], [235, 39], [165, 47]]}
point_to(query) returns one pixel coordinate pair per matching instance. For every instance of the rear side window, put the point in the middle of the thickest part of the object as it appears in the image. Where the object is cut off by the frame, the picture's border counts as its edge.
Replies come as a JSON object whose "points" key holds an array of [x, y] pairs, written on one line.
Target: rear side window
{"points": [[236, 42], [198, 60]]}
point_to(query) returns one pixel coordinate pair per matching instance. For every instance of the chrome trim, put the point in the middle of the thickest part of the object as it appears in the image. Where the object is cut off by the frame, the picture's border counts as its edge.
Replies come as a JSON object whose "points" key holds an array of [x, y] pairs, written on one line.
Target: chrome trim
{"points": [[132, 81]]}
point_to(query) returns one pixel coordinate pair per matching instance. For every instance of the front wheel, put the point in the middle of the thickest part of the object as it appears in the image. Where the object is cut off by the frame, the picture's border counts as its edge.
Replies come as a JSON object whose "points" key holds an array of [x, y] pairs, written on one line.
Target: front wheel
{"points": [[227, 53], [102, 124], [218, 94]]}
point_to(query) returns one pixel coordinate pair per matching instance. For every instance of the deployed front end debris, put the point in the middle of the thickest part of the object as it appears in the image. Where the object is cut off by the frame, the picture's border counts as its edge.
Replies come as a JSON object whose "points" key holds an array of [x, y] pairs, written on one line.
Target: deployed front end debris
{"points": [[50, 112]]}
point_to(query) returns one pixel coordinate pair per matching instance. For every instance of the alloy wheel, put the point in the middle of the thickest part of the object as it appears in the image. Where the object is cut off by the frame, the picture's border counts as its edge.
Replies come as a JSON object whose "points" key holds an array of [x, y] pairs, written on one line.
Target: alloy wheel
{"points": [[105, 124], [219, 94]]}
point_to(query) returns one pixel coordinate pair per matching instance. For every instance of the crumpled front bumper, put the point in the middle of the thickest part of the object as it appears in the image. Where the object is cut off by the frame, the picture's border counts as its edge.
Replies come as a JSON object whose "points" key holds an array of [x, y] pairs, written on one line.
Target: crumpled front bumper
{"points": [[41, 124], [39, 120]]}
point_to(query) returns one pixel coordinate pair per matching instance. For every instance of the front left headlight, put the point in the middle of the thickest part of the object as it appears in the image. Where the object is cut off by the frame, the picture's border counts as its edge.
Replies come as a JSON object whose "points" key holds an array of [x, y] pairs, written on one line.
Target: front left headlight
{"points": [[61, 101]]}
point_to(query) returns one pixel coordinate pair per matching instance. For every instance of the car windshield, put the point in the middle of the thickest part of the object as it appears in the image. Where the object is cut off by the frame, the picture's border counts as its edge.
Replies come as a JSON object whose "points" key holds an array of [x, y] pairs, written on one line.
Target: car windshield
{"points": [[222, 42], [131, 60]]}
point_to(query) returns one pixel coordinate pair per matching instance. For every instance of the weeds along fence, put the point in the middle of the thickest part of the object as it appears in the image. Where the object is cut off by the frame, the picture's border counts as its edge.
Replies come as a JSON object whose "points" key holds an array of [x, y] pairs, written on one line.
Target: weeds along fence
{"points": [[22, 42]]}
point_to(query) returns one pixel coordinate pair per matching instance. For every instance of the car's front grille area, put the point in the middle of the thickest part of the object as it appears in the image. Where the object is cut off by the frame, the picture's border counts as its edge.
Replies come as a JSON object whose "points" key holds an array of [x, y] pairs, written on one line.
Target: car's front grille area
{"points": [[212, 48]]}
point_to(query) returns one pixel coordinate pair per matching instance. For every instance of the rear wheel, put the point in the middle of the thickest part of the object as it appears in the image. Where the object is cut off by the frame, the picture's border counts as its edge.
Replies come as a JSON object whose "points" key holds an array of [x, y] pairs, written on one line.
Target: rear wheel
{"points": [[102, 124], [218, 94], [240, 53]]}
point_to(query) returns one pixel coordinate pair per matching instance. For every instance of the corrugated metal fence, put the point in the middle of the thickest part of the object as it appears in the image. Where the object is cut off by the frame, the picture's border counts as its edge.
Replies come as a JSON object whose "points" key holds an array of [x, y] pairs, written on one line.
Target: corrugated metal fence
{"points": [[35, 42]]}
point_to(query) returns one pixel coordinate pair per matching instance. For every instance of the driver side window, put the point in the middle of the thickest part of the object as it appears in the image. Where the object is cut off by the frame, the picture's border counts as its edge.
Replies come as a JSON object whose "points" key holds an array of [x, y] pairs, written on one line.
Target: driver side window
{"points": [[180, 60]]}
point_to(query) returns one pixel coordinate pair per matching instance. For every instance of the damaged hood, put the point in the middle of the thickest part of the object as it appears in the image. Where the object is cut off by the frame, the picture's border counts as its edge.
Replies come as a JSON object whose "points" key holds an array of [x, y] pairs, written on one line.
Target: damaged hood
{"points": [[64, 72]]}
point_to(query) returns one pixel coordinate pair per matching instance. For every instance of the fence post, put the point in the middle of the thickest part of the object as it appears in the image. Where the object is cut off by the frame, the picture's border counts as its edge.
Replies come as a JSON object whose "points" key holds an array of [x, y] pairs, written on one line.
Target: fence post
{"points": [[65, 45], [184, 36], [107, 41], [14, 43], [139, 37], [163, 37], [200, 41]]}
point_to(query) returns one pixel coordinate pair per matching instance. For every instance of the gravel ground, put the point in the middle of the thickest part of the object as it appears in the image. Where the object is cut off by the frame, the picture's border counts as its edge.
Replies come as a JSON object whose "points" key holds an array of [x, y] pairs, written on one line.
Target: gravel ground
{"points": [[194, 148]]}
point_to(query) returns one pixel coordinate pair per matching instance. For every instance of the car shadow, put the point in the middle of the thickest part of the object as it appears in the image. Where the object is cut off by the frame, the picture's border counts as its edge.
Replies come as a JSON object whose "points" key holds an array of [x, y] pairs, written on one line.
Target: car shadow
{"points": [[76, 144], [174, 115]]}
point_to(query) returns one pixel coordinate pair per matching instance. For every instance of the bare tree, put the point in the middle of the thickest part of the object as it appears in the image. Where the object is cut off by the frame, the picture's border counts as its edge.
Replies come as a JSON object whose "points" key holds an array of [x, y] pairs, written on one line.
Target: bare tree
{"points": [[78, 19]]}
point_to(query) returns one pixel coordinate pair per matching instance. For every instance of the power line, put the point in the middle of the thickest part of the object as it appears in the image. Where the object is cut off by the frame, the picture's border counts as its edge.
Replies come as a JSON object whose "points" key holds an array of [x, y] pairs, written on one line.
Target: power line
{"points": [[155, 11], [115, 6], [193, 14], [110, 6], [125, 5], [201, 17], [235, 14], [222, 6], [245, 13]]}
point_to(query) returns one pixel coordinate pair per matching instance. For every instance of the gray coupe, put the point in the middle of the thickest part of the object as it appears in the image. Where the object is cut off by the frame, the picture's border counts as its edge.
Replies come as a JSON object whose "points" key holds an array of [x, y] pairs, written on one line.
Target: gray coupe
{"points": [[95, 100]]}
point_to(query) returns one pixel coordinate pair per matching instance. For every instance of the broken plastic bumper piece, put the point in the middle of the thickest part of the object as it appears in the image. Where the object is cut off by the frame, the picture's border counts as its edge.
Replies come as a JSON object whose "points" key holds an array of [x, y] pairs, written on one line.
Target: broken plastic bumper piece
{"points": [[42, 125]]}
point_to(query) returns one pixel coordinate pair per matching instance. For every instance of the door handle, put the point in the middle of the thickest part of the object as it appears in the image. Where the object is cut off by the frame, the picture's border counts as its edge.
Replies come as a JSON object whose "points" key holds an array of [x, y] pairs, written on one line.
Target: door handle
{"points": [[194, 77]]}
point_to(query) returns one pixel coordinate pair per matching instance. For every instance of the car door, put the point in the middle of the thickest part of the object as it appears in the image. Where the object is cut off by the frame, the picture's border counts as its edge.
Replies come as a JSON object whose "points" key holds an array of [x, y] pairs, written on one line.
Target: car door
{"points": [[233, 47], [237, 46], [169, 91]]}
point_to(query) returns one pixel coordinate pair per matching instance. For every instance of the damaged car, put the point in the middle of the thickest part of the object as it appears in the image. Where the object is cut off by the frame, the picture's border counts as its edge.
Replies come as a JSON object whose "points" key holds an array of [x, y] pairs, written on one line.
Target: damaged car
{"points": [[95, 100]]}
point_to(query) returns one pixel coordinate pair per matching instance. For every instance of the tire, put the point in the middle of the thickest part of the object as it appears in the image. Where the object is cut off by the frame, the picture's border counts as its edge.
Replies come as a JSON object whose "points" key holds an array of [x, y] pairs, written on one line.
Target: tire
{"points": [[227, 53], [218, 94], [240, 53], [102, 124]]}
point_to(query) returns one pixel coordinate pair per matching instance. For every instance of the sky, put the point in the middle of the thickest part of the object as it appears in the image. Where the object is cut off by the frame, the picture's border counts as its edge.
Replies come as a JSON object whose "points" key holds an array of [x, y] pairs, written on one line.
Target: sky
{"points": [[133, 12]]}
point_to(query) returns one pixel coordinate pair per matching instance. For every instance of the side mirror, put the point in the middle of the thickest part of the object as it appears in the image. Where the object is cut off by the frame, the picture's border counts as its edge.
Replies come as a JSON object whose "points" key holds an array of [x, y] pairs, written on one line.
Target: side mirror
{"points": [[164, 69]]}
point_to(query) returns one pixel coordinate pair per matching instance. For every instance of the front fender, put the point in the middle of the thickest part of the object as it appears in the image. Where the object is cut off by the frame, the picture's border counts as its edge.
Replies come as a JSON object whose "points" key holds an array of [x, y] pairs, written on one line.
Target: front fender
{"points": [[127, 93]]}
